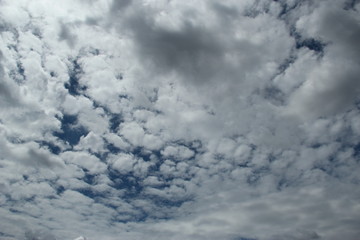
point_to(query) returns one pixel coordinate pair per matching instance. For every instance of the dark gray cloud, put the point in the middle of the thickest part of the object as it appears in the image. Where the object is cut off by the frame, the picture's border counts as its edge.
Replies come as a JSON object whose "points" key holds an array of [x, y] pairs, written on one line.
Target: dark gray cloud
{"points": [[225, 12], [39, 159], [216, 54], [7, 93], [118, 5], [7, 97], [31, 235], [191, 51], [65, 34], [334, 86]]}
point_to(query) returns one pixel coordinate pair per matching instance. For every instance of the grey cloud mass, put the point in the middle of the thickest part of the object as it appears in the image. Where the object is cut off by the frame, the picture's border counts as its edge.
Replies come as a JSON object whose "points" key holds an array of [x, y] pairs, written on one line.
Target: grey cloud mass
{"points": [[179, 119], [66, 35]]}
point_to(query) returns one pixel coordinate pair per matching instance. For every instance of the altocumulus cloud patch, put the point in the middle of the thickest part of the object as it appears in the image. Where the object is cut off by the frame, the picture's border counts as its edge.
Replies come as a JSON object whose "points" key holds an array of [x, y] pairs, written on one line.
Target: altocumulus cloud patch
{"points": [[195, 119]]}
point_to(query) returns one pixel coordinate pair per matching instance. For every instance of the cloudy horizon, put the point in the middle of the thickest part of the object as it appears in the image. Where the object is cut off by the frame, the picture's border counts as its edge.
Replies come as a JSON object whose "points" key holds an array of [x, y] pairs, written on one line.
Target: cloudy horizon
{"points": [[170, 119]]}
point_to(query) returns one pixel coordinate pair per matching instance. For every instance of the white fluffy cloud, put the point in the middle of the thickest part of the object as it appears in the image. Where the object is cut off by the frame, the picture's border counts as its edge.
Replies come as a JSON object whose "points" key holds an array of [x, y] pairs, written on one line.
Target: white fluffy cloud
{"points": [[185, 120]]}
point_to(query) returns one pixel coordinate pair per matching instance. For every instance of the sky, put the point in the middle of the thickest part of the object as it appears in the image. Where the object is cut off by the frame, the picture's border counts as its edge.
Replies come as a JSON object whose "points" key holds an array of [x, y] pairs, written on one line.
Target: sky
{"points": [[172, 120]]}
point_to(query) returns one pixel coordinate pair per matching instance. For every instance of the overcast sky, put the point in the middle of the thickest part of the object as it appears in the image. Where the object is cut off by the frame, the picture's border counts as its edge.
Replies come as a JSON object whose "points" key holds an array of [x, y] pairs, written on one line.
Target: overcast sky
{"points": [[179, 119]]}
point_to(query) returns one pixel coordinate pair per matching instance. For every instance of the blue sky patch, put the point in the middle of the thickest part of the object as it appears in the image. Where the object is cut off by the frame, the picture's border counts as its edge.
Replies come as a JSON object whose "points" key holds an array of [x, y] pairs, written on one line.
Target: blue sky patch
{"points": [[71, 132]]}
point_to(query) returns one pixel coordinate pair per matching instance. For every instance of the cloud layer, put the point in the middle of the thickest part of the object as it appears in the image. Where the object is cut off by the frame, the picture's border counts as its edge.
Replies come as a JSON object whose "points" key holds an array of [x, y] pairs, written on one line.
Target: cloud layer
{"points": [[230, 120]]}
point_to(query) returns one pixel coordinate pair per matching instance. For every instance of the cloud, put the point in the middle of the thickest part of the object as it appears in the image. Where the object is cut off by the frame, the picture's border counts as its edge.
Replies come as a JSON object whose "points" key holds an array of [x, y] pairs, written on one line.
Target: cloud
{"points": [[66, 35], [8, 96], [200, 49], [179, 120], [332, 86]]}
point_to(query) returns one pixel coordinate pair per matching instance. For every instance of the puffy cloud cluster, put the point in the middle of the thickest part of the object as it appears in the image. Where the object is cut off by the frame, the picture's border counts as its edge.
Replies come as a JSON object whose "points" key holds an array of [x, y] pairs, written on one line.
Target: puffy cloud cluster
{"points": [[179, 119]]}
